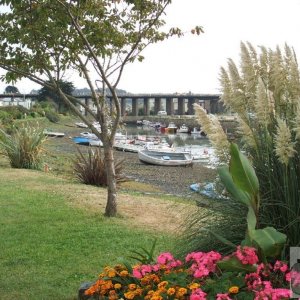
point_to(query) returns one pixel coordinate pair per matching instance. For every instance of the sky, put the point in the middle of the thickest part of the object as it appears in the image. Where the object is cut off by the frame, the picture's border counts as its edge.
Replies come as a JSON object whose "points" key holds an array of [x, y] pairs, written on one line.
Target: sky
{"points": [[192, 63]]}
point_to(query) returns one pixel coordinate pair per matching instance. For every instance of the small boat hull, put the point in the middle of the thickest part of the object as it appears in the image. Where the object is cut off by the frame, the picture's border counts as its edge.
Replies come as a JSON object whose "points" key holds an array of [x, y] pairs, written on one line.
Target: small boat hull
{"points": [[165, 158], [54, 134]]}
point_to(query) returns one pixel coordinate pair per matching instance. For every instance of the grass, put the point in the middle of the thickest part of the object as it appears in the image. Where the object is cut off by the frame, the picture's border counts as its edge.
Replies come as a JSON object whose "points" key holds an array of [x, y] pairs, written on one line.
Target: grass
{"points": [[52, 229], [51, 243]]}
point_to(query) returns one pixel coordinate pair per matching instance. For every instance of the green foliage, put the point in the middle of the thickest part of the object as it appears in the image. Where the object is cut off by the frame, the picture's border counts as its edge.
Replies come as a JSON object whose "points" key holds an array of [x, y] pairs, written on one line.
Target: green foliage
{"points": [[23, 147], [10, 89], [13, 112], [226, 219], [91, 169], [143, 255], [48, 94], [52, 116], [241, 176]]}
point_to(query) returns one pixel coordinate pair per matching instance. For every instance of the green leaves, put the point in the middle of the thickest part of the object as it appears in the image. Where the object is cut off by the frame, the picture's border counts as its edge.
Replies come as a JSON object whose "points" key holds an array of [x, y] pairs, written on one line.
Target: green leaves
{"points": [[269, 240], [231, 187], [242, 171], [241, 182], [233, 264]]}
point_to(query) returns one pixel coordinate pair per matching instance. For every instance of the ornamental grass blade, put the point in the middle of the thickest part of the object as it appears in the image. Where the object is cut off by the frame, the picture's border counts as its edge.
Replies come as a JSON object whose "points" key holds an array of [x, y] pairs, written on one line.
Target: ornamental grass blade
{"points": [[221, 238], [242, 171]]}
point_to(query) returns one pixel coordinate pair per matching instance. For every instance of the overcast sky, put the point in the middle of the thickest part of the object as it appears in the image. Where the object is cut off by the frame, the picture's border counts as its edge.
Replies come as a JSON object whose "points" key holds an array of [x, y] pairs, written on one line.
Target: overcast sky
{"points": [[192, 63]]}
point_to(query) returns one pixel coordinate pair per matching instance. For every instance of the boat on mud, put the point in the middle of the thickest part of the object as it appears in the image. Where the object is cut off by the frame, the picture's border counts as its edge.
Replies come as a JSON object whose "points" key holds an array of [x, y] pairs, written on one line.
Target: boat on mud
{"points": [[163, 158]]}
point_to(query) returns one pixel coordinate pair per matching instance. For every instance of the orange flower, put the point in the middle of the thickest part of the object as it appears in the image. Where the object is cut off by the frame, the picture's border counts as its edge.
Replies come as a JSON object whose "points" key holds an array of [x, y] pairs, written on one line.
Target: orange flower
{"points": [[162, 285], [138, 291], [113, 295], [194, 286], [111, 273], [129, 295], [181, 292], [171, 291], [132, 286], [234, 289], [124, 273], [117, 286]]}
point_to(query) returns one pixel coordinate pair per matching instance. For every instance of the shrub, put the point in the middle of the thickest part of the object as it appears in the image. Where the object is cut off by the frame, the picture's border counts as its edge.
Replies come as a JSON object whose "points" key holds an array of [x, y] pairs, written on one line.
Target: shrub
{"points": [[91, 169], [23, 146], [52, 116], [15, 112]]}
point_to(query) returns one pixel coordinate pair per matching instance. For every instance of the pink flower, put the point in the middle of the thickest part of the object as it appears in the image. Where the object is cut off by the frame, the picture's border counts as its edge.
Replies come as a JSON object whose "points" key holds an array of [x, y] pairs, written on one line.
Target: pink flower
{"points": [[136, 273], [168, 260], [203, 263], [163, 258], [223, 297], [247, 255], [279, 265], [198, 294]]}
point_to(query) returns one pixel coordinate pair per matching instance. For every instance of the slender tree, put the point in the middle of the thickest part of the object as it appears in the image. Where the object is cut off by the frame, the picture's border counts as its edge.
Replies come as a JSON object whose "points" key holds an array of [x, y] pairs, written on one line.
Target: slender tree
{"points": [[44, 39]]}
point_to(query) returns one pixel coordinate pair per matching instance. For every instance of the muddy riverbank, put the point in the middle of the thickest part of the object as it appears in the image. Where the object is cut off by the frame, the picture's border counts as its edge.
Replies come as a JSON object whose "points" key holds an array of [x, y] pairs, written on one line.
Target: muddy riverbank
{"points": [[171, 180]]}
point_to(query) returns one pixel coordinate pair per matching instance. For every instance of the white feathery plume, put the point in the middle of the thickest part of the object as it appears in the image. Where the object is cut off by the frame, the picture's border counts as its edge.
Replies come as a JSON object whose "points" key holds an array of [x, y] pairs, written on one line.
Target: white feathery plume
{"points": [[247, 134], [212, 127], [296, 123], [284, 147], [263, 105]]}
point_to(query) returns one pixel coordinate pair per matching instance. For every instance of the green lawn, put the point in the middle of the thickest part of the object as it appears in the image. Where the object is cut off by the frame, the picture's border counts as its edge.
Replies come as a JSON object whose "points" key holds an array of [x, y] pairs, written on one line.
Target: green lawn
{"points": [[49, 247]]}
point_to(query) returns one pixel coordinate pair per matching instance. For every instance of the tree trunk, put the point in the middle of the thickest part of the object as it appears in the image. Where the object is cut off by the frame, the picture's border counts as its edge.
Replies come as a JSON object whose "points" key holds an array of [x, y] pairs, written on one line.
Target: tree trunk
{"points": [[111, 204]]}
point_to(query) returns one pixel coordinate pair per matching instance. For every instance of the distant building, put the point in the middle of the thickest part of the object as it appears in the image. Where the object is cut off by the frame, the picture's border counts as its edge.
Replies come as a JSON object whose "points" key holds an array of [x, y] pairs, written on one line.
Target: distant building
{"points": [[15, 101]]}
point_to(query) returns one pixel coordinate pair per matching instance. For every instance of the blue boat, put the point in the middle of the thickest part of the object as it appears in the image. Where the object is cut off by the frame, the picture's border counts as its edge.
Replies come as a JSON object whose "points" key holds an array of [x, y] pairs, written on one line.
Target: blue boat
{"points": [[81, 140]]}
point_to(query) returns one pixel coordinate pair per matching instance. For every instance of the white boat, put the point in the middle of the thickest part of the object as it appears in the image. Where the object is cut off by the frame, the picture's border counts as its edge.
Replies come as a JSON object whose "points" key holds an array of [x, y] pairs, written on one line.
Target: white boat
{"points": [[53, 133], [125, 147], [200, 132], [183, 129], [162, 158], [81, 125], [89, 135], [96, 142]]}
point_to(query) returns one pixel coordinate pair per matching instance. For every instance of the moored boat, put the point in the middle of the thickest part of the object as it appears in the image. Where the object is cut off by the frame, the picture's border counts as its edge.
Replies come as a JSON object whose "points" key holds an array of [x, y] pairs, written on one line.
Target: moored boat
{"points": [[183, 129], [82, 140], [81, 125], [163, 158], [53, 133], [172, 128]]}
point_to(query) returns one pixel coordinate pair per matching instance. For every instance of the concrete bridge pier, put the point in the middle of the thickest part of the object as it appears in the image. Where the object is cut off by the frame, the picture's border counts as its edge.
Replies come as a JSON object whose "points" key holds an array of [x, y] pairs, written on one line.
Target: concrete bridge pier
{"points": [[123, 106], [191, 107], [181, 106], [170, 106], [157, 105], [134, 107], [146, 106]]}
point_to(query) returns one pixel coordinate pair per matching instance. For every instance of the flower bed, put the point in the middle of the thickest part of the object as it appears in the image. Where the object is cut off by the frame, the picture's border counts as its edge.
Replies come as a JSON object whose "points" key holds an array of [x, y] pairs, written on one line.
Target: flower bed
{"points": [[200, 276]]}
